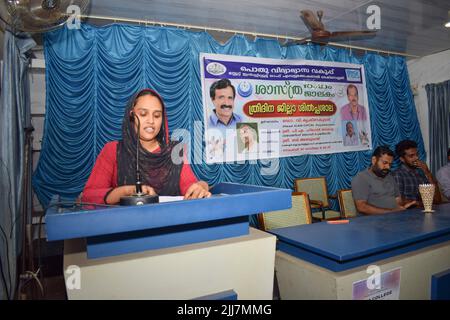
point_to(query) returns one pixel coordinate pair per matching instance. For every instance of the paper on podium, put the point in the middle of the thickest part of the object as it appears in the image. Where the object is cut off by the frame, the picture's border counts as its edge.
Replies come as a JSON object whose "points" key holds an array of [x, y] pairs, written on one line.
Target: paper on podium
{"points": [[179, 198], [170, 198]]}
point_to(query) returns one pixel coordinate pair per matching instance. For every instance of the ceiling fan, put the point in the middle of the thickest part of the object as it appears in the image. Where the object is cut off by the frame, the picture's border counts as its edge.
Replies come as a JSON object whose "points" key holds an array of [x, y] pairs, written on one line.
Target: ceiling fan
{"points": [[37, 16], [322, 36]]}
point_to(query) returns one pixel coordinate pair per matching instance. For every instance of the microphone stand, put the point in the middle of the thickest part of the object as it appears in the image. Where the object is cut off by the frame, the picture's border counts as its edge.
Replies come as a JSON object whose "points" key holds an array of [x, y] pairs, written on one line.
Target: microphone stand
{"points": [[139, 198]]}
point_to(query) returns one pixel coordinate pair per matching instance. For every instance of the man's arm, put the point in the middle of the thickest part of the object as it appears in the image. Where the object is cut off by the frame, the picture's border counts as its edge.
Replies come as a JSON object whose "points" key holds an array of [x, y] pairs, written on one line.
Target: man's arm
{"points": [[444, 181], [405, 203], [423, 166], [400, 185], [399, 190], [363, 207], [369, 209]]}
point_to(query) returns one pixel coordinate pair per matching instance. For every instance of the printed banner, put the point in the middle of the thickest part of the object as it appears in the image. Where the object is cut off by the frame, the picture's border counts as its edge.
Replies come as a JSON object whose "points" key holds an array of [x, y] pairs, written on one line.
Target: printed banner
{"points": [[257, 108], [385, 286]]}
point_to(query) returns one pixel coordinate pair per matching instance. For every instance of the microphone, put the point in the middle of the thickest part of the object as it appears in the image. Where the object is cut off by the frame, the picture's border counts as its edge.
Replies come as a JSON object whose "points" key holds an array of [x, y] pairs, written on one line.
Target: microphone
{"points": [[138, 142], [139, 198]]}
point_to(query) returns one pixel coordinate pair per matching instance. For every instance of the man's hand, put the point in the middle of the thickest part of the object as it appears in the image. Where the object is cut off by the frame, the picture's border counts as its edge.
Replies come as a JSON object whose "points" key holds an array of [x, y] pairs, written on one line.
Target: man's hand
{"points": [[197, 190], [408, 204], [422, 165], [437, 194]]}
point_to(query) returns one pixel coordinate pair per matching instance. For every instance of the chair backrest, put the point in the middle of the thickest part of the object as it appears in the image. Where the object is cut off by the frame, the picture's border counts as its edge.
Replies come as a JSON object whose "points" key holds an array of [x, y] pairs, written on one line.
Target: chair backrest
{"points": [[300, 213], [346, 203], [316, 188]]}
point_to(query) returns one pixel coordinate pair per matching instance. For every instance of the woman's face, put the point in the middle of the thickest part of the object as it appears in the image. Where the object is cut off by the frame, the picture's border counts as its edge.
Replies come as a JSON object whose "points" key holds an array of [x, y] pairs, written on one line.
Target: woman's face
{"points": [[245, 133], [150, 113]]}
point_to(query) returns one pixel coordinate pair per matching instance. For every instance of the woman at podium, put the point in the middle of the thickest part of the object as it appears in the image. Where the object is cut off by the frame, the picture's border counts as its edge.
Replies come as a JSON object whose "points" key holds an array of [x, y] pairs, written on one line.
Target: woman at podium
{"points": [[145, 136]]}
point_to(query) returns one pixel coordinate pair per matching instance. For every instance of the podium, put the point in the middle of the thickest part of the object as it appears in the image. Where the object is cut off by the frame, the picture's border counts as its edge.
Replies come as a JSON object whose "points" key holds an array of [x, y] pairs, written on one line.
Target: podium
{"points": [[174, 250]]}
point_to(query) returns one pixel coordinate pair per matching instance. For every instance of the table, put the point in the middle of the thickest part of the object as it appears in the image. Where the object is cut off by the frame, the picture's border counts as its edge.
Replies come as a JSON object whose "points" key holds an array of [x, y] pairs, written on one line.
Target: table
{"points": [[321, 260]]}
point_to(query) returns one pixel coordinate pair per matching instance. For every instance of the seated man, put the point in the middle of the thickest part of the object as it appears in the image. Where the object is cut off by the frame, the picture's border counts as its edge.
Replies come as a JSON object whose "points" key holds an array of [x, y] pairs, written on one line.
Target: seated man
{"points": [[443, 176], [412, 172], [374, 189]]}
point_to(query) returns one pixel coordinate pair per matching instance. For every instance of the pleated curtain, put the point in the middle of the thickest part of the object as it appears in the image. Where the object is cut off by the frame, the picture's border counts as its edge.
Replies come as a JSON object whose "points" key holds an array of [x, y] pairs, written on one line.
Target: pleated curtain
{"points": [[91, 73], [438, 95]]}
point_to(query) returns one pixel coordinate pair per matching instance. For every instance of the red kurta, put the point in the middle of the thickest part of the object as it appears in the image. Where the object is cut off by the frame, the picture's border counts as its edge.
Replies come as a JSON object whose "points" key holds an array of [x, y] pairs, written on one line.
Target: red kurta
{"points": [[104, 175]]}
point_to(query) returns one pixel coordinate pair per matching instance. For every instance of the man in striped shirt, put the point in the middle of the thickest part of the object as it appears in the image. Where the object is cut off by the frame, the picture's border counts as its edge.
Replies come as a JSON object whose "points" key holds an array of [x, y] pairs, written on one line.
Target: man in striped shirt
{"points": [[412, 172]]}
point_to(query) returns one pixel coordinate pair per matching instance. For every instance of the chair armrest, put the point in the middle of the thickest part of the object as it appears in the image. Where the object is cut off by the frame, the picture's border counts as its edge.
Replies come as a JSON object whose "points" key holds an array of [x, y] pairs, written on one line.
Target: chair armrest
{"points": [[317, 203]]}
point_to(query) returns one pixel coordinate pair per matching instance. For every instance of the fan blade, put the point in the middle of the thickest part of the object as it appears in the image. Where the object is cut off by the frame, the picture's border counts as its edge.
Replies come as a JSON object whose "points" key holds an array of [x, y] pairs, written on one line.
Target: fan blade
{"points": [[354, 35], [311, 21], [319, 41], [29, 18], [296, 42], [48, 15]]}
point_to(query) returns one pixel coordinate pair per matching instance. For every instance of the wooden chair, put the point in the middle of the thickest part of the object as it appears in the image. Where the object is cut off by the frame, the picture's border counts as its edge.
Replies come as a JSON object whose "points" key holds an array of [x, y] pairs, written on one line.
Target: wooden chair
{"points": [[346, 203], [317, 190], [300, 213]]}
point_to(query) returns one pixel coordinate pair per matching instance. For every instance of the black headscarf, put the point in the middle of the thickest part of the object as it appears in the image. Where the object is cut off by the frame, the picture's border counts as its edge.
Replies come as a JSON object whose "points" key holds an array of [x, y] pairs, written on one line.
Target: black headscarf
{"points": [[157, 169]]}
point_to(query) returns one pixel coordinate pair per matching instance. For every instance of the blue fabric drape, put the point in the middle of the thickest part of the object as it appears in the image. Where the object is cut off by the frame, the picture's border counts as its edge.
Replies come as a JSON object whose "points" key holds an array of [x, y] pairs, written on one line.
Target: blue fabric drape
{"points": [[92, 72], [438, 96], [15, 118]]}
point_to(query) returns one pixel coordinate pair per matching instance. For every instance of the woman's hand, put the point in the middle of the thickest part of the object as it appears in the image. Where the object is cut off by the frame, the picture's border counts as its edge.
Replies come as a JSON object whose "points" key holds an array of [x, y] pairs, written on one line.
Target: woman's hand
{"points": [[197, 190], [128, 190], [148, 190]]}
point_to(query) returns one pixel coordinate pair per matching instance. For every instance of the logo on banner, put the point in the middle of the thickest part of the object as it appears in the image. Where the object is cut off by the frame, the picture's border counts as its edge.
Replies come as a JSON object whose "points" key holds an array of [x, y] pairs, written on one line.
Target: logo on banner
{"points": [[245, 89], [216, 68], [353, 75]]}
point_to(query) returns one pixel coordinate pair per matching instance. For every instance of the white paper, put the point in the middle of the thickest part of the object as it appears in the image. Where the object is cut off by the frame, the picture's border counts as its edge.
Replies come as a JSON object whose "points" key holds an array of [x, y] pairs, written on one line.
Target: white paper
{"points": [[169, 198]]}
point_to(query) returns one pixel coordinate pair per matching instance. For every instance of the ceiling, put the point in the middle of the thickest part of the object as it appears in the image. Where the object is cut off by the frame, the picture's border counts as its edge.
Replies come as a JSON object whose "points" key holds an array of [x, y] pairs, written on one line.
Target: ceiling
{"points": [[410, 27], [413, 27]]}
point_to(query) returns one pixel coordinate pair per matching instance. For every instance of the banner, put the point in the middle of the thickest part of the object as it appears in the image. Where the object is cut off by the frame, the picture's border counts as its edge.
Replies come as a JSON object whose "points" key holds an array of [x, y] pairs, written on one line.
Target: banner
{"points": [[257, 108]]}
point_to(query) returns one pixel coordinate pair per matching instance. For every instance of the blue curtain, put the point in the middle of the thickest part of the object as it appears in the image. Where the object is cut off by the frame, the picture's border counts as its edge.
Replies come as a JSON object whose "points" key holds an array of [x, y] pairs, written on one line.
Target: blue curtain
{"points": [[92, 72], [438, 95], [15, 152]]}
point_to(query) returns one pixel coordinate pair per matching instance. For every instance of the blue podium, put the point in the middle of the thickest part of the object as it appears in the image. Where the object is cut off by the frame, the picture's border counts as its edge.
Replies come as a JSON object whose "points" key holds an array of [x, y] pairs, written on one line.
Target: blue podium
{"points": [[172, 250], [118, 230]]}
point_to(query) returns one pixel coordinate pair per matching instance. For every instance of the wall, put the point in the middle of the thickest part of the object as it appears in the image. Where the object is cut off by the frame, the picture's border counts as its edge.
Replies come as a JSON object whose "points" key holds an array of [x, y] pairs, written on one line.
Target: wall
{"points": [[37, 87], [429, 69]]}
